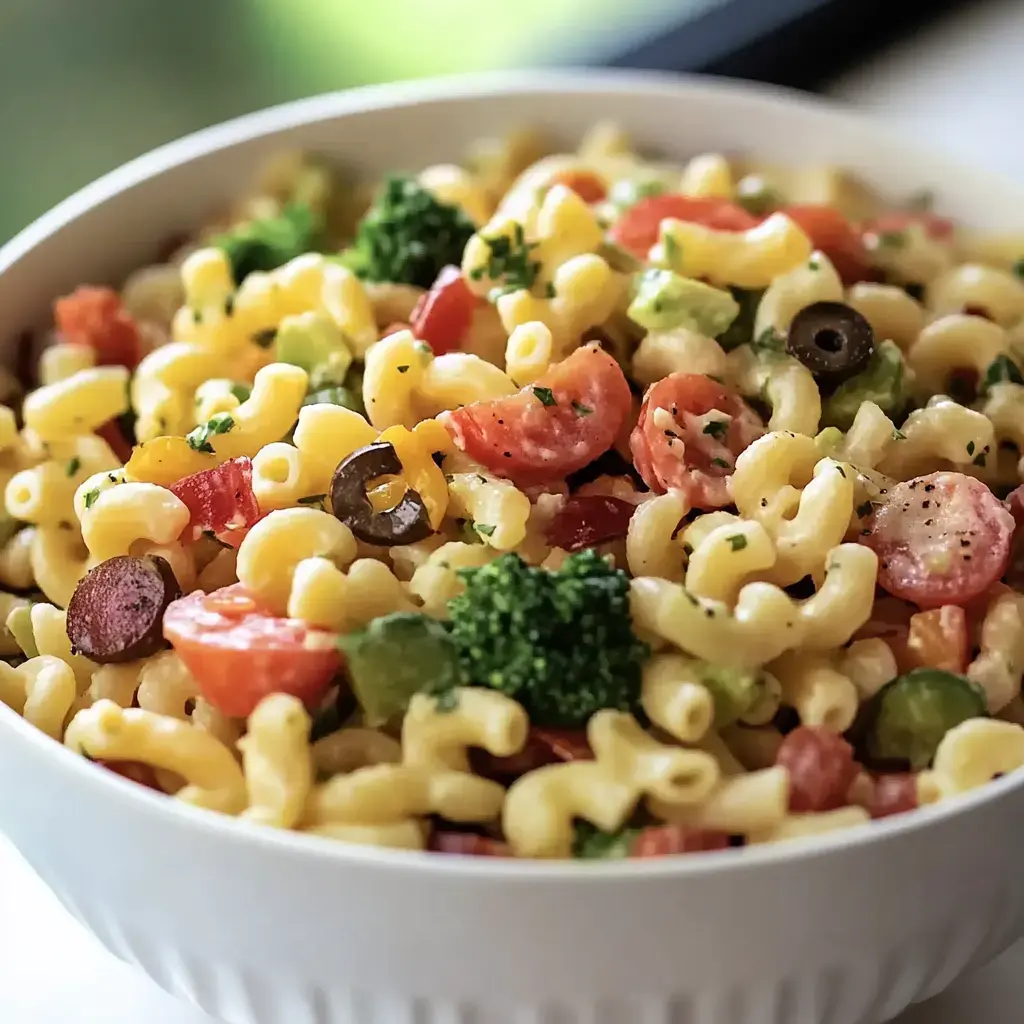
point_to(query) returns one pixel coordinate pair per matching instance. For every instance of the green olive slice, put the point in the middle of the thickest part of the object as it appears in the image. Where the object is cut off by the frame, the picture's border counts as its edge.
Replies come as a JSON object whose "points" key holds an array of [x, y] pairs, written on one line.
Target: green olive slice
{"points": [[832, 340], [406, 523]]}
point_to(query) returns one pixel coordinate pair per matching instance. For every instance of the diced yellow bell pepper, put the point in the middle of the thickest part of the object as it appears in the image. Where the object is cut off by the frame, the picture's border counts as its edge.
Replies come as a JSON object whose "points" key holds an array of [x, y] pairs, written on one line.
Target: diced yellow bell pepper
{"points": [[165, 460]]}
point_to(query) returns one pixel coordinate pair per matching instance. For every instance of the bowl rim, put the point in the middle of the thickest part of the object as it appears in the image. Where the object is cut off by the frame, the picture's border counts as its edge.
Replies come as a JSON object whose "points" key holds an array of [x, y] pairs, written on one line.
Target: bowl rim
{"points": [[474, 88]]}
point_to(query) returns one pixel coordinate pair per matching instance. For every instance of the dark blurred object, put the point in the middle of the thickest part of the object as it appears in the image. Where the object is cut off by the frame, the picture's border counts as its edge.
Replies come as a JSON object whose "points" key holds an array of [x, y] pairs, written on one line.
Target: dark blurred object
{"points": [[797, 43]]}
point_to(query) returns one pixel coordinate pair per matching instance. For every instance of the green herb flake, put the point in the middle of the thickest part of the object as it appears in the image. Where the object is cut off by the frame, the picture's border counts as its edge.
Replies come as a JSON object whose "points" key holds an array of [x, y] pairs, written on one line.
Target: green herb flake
{"points": [[447, 702], [898, 435], [970, 447], [1002, 370], [403, 369], [716, 428], [721, 463], [1018, 267], [73, 466], [814, 263], [549, 290], [199, 438], [313, 499], [484, 528], [545, 396], [579, 408], [737, 542], [91, 496], [769, 340], [509, 261]]}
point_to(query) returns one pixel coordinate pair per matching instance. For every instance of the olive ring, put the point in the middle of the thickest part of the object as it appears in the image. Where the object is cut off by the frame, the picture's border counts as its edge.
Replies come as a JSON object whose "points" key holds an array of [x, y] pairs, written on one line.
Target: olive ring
{"points": [[406, 523]]}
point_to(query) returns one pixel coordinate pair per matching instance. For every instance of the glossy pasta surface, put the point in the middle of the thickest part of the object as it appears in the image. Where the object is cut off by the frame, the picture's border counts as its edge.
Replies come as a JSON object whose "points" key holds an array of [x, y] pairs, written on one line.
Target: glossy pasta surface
{"points": [[539, 505]]}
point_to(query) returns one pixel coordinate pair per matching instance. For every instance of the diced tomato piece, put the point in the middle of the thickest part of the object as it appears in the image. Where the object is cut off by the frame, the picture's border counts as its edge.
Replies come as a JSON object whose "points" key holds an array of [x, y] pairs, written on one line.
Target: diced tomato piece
{"points": [[136, 771], [95, 317], [896, 221], [586, 520], [468, 844], [1014, 575], [940, 539], [938, 639], [551, 428], [238, 653], [821, 768], [830, 232], [543, 746], [666, 840], [220, 499], [677, 445], [233, 536], [893, 794], [639, 227], [587, 185], [112, 433], [442, 317]]}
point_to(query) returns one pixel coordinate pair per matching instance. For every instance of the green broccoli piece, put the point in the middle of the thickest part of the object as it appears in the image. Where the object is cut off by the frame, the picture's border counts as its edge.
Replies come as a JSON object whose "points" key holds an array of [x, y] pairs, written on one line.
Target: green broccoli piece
{"points": [[270, 243], [590, 843], [407, 236], [560, 643], [880, 382], [397, 656]]}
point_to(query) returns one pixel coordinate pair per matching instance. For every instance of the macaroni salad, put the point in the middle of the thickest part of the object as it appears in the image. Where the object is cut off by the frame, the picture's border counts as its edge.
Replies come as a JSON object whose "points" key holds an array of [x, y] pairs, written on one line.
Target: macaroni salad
{"points": [[545, 506]]}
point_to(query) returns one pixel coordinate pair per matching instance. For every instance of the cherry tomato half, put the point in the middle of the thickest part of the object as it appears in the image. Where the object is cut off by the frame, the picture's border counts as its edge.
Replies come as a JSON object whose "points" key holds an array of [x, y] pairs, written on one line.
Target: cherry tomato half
{"points": [[551, 428], [688, 435], [587, 185], [639, 227], [940, 539], [442, 317], [833, 234], [95, 317], [666, 840], [468, 844], [239, 653]]}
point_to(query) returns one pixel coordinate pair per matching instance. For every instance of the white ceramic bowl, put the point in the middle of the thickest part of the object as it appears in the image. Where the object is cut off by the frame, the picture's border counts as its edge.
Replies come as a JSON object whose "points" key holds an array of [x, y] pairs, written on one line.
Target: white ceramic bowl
{"points": [[278, 928]]}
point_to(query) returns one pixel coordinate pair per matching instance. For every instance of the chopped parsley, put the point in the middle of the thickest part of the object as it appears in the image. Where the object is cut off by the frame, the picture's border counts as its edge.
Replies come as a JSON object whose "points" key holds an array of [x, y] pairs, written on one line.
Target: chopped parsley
{"points": [[549, 290], [403, 369], [545, 396], [737, 542], [716, 428], [673, 250], [1002, 370], [314, 499], [73, 466], [769, 340], [91, 496], [721, 463], [484, 528], [199, 439], [814, 263], [970, 447], [579, 408], [509, 262], [898, 435]]}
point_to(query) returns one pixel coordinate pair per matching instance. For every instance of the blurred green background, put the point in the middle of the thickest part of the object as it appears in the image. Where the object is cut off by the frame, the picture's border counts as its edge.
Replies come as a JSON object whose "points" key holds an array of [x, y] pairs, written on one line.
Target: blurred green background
{"points": [[88, 84]]}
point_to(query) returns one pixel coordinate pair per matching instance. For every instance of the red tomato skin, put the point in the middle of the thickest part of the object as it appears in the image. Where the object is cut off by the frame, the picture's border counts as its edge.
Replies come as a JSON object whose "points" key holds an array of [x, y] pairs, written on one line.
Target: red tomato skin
{"points": [[220, 499], [587, 185], [667, 840], [830, 232], [1014, 576], [530, 443], [239, 654], [468, 844], [586, 520], [95, 317], [937, 227], [443, 316], [821, 768], [639, 227], [543, 747], [893, 794], [947, 520], [695, 463], [111, 433]]}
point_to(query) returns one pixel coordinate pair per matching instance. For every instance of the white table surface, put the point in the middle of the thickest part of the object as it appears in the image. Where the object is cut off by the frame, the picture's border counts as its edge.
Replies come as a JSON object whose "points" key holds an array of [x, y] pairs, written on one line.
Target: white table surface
{"points": [[960, 84]]}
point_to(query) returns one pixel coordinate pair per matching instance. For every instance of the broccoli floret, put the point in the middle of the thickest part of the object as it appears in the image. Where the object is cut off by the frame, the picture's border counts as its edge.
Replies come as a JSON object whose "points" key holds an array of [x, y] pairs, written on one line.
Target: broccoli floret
{"points": [[560, 643], [269, 243], [407, 236]]}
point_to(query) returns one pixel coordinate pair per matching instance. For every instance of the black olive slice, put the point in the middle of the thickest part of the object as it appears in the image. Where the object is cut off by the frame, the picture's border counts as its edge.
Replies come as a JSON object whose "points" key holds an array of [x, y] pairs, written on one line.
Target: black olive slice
{"points": [[832, 340], [406, 523]]}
